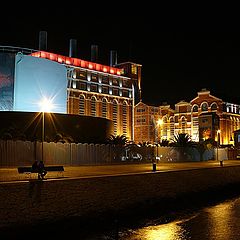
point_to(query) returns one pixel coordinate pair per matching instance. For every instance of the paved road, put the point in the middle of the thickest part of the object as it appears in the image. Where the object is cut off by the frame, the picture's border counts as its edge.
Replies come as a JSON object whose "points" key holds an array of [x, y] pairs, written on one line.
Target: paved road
{"points": [[11, 174]]}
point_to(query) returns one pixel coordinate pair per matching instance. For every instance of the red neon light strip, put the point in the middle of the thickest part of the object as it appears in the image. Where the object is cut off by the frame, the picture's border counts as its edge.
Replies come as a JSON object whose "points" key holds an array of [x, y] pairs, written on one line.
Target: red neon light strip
{"points": [[76, 62]]}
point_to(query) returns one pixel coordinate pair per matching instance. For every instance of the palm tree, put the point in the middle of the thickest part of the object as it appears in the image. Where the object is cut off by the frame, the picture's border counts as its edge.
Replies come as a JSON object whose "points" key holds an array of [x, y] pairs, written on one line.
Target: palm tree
{"points": [[205, 145], [164, 143], [59, 137], [182, 143], [118, 142]]}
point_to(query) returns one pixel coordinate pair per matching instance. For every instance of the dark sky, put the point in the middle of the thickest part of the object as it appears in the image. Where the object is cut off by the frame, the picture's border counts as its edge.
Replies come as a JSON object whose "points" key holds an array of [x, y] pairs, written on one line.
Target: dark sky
{"points": [[179, 56]]}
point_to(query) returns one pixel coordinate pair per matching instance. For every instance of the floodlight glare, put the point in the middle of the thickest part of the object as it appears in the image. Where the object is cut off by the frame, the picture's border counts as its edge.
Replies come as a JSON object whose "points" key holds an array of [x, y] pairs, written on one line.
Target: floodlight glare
{"points": [[46, 105]]}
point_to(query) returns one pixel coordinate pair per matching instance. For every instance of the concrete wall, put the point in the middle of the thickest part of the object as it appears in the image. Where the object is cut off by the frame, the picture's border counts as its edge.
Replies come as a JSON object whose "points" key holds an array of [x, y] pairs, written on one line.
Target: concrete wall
{"points": [[29, 202]]}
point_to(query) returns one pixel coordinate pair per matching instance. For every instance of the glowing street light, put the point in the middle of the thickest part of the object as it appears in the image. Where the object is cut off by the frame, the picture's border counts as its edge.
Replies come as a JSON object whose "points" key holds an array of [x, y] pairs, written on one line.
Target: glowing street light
{"points": [[46, 105], [218, 139], [159, 123]]}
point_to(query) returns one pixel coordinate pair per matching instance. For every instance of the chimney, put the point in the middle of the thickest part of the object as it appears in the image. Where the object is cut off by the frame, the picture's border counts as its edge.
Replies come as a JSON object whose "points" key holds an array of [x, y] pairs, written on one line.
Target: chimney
{"points": [[42, 41], [113, 58], [73, 48], [94, 53]]}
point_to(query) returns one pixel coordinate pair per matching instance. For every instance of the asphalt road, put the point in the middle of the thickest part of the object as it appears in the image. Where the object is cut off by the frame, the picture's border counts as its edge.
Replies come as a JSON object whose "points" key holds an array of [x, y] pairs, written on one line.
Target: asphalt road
{"points": [[12, 175]]}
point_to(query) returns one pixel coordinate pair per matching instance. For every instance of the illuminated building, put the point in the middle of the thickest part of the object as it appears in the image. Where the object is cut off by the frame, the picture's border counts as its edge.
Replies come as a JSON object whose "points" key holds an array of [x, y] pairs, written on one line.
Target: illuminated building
{"points": [[201, 118], [146, 127], [77, 86]]}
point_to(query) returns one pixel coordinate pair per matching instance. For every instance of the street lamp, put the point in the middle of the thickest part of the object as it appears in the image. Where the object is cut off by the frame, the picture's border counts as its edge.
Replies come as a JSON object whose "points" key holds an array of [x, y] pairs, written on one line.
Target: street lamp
{"points": [[46, 106], [218, 139], [159, 123]]}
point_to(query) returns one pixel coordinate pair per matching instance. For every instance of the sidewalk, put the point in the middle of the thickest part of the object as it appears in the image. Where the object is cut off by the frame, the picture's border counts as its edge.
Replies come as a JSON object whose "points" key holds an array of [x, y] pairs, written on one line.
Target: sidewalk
{"points": [[11, 174]]}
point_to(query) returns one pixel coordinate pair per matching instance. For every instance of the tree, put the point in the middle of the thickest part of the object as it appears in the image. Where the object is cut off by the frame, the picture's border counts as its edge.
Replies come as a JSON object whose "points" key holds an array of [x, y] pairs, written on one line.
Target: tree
{"points": [[60, 137], [118, 142], [164, 143], [12, 133], [182, 143], [205, 145]]}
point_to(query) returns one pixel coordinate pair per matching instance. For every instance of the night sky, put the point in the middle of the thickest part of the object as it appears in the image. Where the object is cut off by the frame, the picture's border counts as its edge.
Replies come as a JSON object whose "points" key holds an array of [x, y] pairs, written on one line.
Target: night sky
{"points": [[177, 59]]}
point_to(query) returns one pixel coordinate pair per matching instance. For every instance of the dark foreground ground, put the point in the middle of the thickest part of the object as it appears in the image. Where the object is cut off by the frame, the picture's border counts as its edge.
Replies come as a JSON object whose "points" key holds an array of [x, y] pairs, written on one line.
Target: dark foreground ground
{"points": [[138, 215]]}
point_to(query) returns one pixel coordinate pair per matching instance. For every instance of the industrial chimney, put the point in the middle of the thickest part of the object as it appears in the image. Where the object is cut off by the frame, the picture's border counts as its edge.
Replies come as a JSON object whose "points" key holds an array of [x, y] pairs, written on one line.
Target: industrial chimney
{"points": [[113, 58], [94, 53], [73, 48], [42, 41]]}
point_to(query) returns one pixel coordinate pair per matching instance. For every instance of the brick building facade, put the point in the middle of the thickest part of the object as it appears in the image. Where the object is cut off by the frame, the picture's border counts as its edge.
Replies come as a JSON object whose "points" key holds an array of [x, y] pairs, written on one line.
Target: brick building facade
{"points": [[206, 116]]}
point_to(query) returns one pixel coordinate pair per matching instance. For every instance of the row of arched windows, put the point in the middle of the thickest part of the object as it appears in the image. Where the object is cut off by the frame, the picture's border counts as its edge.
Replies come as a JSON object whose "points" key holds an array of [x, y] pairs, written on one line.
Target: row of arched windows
{"points": [[104, 111], [204, 107]]}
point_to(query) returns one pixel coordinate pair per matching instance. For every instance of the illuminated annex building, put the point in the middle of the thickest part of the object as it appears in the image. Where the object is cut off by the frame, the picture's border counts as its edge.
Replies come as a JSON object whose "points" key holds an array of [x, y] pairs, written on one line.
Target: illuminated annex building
{"points": [[75, 86], [206, 116]]}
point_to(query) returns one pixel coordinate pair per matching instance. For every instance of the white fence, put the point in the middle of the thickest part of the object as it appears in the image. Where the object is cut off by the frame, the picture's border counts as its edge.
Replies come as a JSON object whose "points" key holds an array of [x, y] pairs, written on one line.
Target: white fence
{"points": [[18, 153]]}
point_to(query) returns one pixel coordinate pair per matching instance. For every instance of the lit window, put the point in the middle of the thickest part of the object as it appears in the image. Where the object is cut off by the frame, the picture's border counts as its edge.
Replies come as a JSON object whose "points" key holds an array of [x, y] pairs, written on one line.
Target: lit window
{"points": [[134, 69], [74, 85]]}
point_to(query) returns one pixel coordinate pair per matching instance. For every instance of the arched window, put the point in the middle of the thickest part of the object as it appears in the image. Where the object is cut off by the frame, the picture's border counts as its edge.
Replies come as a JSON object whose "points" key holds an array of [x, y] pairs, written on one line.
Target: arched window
{"points": [[204, 106], [81, 105], [214, 106], [164, 128], [115, 116], [124, 117], [93, 107], [183, 124], [195, 108], [104, 108], [172, 127]]}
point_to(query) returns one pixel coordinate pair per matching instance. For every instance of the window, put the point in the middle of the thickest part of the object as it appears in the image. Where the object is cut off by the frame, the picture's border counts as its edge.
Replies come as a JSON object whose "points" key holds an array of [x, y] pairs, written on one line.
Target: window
{"points": [[105, 90], [104, 108], [214, 106], [115, 92], [124, 112], [94, 77], [134, 69], [81, 74], [141, 110], [183, 125], [81, 105], [115, 116], [204, 107], [94, 88], [195, 108], [141, 120], [105, 79], [125, 93], [93, 106], [172, 127], [115, 82], [126, 84], [83, 86]]}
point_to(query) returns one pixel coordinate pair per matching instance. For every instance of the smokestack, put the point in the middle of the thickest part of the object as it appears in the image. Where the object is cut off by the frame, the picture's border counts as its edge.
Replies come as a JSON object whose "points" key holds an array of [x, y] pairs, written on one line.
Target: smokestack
{"points": [[94, 53], [42, 41], [113, 58], [73, 48]]}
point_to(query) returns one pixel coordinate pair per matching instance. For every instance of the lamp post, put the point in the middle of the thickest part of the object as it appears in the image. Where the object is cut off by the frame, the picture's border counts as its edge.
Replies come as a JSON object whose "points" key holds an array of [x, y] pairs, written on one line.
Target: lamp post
{"points": [[159, 123], [218, 139], [46, 106], [42, 132]]}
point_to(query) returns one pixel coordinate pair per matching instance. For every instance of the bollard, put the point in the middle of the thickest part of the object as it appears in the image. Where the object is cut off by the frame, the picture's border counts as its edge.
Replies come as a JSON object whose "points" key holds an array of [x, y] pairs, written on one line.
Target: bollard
{"points": [[154, 167], [221, 163]]}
